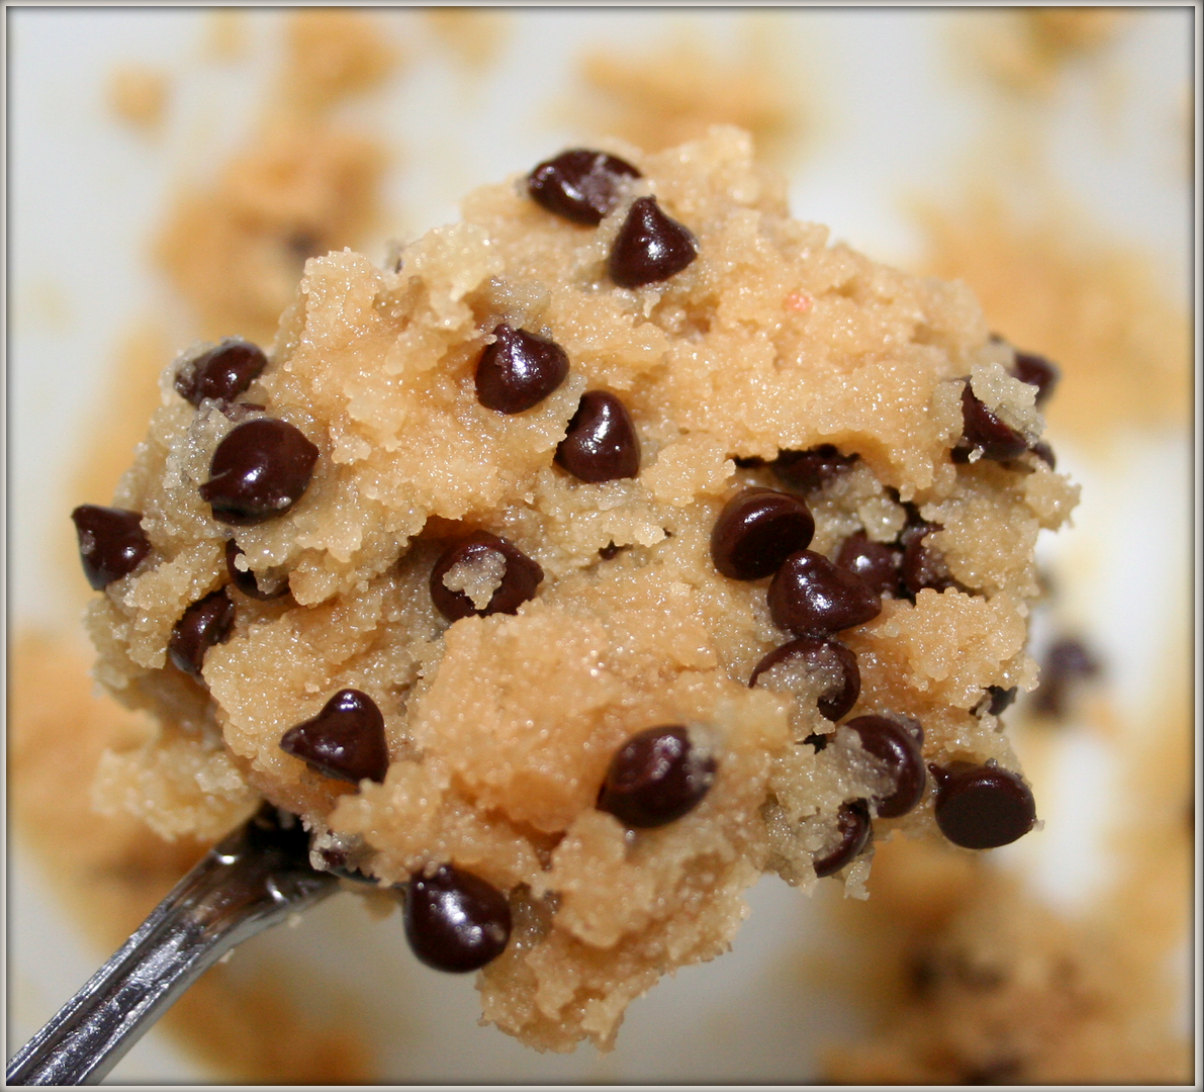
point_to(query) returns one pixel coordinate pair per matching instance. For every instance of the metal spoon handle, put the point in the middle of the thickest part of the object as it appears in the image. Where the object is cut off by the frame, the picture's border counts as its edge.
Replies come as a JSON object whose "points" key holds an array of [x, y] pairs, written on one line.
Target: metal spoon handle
{"points": [[257, 876]]}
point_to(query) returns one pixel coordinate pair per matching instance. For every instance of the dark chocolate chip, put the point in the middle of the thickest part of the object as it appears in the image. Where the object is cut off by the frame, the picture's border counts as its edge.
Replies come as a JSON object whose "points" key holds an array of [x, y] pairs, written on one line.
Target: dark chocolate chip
{"points": [[610, 551], [818, 740], [520, 577], [1045, 453], [853, 829], [112, 543], [1041, 372], [222, 373], [1001, 698], [812, 468], [822, 655], [651, 246], [259, 471], [581, 185], [981, 807], [757, 530], [245, 580], [876, 563], [922, 566], [984, 431], [655, 777], [346, 740], [518, 370], [454, 920], [208, 622], [1066, 663], [898, 749], [601, 443], [810, 595]]}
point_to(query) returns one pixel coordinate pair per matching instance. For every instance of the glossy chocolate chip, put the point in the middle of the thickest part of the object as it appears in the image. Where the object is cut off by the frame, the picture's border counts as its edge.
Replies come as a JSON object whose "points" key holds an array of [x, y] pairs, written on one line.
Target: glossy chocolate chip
{"points": [[246, 581], [1041, 372], [876, 563], [981, 807], [520, 576], [651, 246], [985, 432], [922, 566], [812, 468], [454, 920], [112, 543], [518, 370], [853, 830], [757, 530], [898, 749], [810, 595], [346, 740], [206, 623], [581, 185], [823, 656], [222, 372], [259, 471], [655, 777], [601, 443]]}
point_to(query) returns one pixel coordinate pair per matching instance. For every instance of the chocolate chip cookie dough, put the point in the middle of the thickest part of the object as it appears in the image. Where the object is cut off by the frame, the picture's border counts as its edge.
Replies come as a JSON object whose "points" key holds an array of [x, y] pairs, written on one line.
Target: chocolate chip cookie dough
{"points": [[604, 550]]}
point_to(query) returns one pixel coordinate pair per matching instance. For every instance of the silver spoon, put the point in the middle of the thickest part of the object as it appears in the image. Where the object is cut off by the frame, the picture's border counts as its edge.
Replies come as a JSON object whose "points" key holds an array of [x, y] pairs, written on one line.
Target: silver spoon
{"points": [[256, 877]]}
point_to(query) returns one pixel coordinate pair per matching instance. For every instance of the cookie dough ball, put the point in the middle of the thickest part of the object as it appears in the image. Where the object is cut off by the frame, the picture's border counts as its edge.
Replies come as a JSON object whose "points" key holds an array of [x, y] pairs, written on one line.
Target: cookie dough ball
{"points": [[621, 542]]}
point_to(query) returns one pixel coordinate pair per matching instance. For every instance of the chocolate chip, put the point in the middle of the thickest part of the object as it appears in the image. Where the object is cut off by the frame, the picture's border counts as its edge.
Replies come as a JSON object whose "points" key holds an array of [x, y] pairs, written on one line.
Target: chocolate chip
{"points": [[810, 595], [898, 749], [519, 578], [985, 432], [655, 777], [245, 580], [112, 543], [518, 370], [757, 530], [651, 246], [1066, 663], [259, 471], [876, 563], [222, 373], [812, 468], [208, 622], [823, 656], [346, 740], [1000, 699], [581, 185], [981, 807], [610, 551], [853, 829], [1045, 453], [454, 920], [601, 443], [922, 566], [1041, 372]]}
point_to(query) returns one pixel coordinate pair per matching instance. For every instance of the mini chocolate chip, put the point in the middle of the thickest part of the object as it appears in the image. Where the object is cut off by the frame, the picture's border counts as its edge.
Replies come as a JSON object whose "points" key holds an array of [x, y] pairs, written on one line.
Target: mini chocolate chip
{"points": [[259, 471], [581, 185], [812, 468], [826, 656], [610, 551], [519, 579], [810, 595], [1041, 372], [876, 563], [112, 543], [981, 807], [1001, 698], [222, 373], [245, 580], [1045, 453], [601, 443], [454, 920], [853, 829], [757, 530], [208, 622], [655, 777], [346, 740], [1066, 662], [922, 566], [898, 750], [984, 431], [518, 370], [651, 246]]}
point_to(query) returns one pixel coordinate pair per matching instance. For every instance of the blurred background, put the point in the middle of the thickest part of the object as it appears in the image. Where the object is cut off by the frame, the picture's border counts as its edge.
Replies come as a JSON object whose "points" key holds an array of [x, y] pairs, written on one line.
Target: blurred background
{"points": [[170, 169]]}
